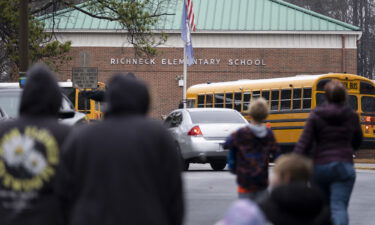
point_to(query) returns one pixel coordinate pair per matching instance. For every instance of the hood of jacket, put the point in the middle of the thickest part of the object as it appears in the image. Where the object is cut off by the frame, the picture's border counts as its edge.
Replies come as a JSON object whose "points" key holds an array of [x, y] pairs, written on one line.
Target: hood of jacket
{"points": [[259, 131], [334, 114], [41, 95], [126, 95]]}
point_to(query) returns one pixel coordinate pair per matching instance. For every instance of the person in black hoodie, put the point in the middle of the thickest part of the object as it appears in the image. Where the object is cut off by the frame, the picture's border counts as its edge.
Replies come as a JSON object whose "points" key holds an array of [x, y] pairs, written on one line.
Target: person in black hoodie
{"points": [[29, 154], [124, 170]]}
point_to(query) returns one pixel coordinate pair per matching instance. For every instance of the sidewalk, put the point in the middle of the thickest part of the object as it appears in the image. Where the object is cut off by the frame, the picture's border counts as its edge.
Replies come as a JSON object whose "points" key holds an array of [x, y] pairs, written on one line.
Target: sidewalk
{"points": [[364, 166]]}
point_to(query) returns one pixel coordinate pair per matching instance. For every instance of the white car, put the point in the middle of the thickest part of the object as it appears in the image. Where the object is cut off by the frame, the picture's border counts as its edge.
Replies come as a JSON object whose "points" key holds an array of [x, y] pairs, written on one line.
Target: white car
{"points": [[10, 99], [201, 132]]}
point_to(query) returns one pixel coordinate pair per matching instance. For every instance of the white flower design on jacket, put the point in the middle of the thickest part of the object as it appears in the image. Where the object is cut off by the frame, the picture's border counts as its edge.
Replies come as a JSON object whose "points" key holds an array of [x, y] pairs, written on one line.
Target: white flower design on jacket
{"points": [[35, 162], [16, 149], [19, 151]]}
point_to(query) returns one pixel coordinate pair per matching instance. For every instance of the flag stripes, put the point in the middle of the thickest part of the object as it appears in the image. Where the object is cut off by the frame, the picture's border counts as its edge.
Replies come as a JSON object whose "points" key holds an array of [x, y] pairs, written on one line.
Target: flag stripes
{"points": [[190, 13]]}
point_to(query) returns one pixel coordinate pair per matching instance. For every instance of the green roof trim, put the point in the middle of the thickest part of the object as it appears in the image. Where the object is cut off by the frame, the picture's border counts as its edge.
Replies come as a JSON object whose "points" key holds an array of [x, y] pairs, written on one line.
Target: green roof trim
{"points": [[217, 15]]}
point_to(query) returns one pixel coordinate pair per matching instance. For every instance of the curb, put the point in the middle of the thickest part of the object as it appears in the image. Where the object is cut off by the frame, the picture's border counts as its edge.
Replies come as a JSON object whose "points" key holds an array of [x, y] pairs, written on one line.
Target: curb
{"points": [[364, 168]]}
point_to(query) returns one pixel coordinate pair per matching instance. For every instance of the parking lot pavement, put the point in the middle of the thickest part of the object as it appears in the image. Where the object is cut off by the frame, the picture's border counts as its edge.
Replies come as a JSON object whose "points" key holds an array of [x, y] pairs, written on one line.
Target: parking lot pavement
{"points": [[358, 166]]}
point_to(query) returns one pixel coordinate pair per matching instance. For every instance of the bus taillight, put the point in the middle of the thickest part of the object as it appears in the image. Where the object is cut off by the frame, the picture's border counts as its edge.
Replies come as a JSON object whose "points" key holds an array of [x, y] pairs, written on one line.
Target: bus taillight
{"points": [[367, 129]]}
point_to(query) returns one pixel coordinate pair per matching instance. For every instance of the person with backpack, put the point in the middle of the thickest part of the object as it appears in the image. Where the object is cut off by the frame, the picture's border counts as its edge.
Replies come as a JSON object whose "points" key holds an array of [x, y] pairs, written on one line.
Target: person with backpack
{"points": [[249, 151]]}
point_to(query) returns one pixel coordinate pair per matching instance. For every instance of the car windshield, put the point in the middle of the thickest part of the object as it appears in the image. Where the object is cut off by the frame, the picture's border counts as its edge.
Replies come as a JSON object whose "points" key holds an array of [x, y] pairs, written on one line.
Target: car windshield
{"points": [[10, 101], [216, 117]]}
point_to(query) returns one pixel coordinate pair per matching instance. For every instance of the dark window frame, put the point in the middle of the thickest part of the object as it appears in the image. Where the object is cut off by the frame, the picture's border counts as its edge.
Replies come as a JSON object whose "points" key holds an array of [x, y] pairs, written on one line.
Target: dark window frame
{"points": [[232, 98], [285, 100], [201, 105], [216, 104], [299, 99], [275, 100]]}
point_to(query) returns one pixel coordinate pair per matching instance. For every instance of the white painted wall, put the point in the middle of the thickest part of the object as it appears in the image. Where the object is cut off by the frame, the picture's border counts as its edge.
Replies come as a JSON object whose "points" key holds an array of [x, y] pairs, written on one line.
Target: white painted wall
{"points": [[222, 40]]}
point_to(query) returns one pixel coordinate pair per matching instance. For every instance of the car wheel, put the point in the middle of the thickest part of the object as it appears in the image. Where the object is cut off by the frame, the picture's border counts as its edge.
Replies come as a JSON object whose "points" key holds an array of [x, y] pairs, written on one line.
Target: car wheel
{"points": [[218, 165], [185, 165]]}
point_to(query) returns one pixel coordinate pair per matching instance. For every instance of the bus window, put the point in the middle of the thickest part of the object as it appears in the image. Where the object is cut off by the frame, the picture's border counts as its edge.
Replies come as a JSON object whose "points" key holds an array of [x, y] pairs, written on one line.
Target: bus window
{"points": [[320, 99], [366, 88], [275, 100], [353, 102], [266, 95], [306, 98], [237, 101], [297, 98], [200, 101], [209, 101], [83, 103], [229, 100], [256, 94], [190, 103], [321, 84], [219, 100], [246, 100], [285, 99], [368, 104]]}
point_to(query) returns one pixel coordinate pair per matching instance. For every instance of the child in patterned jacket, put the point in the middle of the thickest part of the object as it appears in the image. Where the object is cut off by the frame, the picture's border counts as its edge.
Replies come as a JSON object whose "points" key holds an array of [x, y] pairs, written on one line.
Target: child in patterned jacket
{"points": [[249, 151]]}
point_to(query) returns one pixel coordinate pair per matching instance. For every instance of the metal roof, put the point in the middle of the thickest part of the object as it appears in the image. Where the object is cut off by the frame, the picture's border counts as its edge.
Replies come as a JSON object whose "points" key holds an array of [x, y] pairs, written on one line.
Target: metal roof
{"points": [[218, 15]]}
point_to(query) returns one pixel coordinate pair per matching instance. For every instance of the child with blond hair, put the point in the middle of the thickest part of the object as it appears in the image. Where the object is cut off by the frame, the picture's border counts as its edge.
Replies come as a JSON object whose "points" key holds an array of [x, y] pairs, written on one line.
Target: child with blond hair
{"points": [[249, 150]]}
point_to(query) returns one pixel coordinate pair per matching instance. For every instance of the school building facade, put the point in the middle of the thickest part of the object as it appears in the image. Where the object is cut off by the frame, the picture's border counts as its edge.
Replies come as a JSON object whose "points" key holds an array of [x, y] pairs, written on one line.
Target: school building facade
{"points": [[234, 40]]}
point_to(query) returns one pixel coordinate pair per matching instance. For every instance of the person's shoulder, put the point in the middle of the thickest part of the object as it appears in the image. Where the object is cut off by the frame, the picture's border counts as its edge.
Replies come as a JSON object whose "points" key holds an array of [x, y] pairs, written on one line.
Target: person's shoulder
{"points": [[243, 130]]}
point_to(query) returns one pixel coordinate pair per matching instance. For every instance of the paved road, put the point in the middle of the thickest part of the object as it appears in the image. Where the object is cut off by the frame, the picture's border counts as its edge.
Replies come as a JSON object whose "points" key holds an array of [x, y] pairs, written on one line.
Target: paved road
{"points": [[209, 193]]}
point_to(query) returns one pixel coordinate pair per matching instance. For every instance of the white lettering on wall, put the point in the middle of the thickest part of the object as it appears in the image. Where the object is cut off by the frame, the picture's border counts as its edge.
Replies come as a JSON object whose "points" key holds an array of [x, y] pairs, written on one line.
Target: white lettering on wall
{"points": [[176, 61]]}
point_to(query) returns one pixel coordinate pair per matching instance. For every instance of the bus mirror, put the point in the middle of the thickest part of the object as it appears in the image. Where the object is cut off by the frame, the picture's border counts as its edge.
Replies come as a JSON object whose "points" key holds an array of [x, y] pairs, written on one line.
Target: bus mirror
{"points": [[66, 114]]}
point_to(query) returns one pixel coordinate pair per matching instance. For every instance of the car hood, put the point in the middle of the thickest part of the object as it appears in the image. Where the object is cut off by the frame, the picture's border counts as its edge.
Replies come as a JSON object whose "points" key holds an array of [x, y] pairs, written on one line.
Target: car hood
{"points": [[76, 119]]}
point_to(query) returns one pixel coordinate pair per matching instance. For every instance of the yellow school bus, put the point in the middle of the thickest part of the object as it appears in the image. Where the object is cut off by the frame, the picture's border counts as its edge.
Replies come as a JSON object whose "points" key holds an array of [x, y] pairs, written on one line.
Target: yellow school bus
{"points": [[290, 100], [91, 108]]}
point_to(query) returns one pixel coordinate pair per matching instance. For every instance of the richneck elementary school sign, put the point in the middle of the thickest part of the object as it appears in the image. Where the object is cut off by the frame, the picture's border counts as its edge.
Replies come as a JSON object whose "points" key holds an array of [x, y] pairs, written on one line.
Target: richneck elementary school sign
{"points": [[174, 61]]}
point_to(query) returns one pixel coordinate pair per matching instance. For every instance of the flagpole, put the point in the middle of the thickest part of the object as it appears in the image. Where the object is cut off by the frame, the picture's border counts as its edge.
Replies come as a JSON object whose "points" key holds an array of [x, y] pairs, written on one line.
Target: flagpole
{"points": [[185, 78]]}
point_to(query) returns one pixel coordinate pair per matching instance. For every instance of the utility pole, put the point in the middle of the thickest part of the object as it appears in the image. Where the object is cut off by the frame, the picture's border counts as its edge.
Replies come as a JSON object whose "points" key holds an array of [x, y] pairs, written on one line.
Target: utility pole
{"points": [[24, 37]]}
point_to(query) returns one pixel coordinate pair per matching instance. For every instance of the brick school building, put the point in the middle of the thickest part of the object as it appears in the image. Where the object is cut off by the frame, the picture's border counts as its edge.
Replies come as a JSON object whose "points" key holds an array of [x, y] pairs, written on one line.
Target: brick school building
{"points": [[234, 40]]}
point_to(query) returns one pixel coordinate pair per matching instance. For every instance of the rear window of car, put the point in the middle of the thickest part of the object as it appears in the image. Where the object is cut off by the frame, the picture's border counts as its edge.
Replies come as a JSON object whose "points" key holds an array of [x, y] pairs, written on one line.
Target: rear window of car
{"points": [[216, 117]]}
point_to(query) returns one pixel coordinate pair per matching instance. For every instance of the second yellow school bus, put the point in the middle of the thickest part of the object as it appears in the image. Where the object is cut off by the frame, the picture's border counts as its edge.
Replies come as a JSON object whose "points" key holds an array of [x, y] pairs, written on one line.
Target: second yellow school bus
{"points": [[290, 100]]}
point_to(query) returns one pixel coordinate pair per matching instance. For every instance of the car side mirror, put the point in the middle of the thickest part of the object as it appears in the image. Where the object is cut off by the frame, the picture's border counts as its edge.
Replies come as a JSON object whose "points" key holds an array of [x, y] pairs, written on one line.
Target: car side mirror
{"points": [[66, 114]]}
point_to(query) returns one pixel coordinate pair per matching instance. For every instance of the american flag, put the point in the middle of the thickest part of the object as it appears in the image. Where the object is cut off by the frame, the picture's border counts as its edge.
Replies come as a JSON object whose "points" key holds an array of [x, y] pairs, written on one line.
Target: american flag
{"points": [[190, 14], [187, 25]]}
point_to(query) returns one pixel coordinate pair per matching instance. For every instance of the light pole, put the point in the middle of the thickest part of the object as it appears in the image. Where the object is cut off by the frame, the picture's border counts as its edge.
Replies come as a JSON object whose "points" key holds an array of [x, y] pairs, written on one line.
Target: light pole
{"points": [[24, 38]]}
